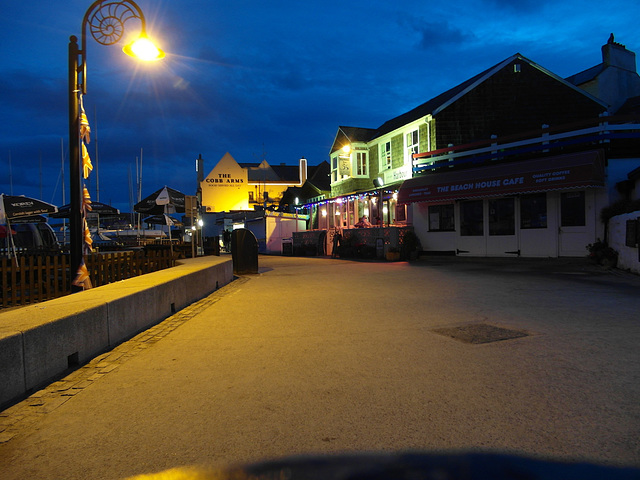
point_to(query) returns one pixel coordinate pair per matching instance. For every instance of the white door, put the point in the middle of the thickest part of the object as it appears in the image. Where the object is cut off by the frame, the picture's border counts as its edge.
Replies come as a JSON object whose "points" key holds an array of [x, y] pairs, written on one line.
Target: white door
{"points": [[538, 232], [577, 222], [502, 235], [471, 226]]}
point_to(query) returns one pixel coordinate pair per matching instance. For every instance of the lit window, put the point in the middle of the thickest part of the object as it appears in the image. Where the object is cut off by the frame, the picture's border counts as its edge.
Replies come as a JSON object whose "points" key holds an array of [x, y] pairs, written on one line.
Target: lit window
{"points": [[334, 168], [362, 167], [413, 144], [385, 155]]}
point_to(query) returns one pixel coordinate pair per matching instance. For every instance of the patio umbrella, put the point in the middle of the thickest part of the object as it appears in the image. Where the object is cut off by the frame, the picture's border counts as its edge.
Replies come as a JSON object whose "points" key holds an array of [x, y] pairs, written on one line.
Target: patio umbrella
{"points": [[32, 219], [14, 207], [97, 208], [17, 206], [163, 219], [165, 200]]}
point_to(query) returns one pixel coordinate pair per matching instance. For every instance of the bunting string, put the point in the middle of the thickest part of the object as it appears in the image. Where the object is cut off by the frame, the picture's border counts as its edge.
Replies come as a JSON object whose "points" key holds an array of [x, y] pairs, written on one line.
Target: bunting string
{"points": [[82, 275]]}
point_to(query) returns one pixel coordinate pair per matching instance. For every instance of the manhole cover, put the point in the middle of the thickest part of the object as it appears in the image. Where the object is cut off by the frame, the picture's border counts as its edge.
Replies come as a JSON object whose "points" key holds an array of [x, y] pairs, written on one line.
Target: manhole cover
{"points": [[480, 333]]}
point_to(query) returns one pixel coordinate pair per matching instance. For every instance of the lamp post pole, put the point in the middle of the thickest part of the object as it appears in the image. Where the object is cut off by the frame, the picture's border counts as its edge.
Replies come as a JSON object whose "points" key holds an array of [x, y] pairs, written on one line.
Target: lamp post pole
{"points": [[75, 212], [106, 19]]}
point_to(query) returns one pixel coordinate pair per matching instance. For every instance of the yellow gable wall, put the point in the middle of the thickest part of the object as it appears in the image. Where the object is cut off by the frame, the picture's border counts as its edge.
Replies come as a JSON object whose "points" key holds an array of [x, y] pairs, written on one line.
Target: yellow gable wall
{"points": [[226, 187]]}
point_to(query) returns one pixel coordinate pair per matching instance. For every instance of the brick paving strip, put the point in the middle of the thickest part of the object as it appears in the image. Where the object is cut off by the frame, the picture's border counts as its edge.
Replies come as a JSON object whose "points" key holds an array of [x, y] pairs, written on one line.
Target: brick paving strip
{"points": [[24, 414]]}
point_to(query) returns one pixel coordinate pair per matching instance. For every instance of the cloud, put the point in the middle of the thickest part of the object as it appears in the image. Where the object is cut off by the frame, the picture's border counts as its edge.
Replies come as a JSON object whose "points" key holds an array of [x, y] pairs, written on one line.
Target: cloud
{"points": [[519, 6], [436, 34]]}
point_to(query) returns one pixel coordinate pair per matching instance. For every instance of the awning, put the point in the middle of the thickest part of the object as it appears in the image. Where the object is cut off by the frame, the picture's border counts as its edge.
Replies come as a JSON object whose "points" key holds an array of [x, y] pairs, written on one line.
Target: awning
{"points": [[578, 170]]}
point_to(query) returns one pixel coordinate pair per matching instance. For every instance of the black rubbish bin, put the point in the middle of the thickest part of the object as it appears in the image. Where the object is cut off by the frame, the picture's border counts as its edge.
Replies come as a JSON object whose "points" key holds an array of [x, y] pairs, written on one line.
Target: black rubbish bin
{"points": [[244, 251]]}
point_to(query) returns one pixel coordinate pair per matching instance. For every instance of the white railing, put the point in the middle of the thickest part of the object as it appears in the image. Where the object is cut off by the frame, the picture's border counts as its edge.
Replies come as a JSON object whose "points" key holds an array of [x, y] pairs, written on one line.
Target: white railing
{"points": [[543, 140]]}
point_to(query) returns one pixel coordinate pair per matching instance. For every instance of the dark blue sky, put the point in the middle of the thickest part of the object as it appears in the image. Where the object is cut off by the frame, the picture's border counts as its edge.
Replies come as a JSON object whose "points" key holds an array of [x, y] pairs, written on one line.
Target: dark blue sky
{"points": [[260, 79]]}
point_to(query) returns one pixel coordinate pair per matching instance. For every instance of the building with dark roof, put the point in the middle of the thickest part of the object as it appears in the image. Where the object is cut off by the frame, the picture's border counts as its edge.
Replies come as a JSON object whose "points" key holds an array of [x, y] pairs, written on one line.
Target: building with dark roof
{"points": [[514, 161], [248, 186]]}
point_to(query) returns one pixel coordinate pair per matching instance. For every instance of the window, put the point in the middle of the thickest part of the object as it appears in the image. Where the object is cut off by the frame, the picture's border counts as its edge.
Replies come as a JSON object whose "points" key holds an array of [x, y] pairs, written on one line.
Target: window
{"points": [[471, 218], [413, 144], [533, 211], [334, 169], [441, 218], [632, 233], [502, 216], [572, 206], [362, 166], [250, 196], [385, 155]]}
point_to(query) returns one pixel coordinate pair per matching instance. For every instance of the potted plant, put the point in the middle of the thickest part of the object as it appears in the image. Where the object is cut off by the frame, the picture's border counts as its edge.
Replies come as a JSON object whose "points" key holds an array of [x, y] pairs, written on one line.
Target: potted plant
{"points": [[603, 254], [393, 254], [410, 245]]}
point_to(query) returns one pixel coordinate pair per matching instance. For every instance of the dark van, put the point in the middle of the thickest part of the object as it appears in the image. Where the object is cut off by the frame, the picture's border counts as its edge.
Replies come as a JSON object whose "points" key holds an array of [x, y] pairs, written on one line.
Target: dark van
{"points": [[34, 237]]}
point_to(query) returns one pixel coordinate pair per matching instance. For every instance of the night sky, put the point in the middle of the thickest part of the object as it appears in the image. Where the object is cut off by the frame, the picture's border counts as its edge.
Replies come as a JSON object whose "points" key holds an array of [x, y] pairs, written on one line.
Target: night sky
{"points": [[257, 79]]}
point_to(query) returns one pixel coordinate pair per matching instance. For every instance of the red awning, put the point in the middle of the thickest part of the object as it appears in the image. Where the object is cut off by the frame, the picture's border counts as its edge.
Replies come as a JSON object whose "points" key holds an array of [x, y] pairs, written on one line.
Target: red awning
{"points": [[578, 170]]}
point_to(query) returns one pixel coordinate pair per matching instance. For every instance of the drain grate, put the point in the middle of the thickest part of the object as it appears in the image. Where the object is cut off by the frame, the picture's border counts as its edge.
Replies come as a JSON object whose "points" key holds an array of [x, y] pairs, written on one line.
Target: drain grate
{"points": [[477, 333]]}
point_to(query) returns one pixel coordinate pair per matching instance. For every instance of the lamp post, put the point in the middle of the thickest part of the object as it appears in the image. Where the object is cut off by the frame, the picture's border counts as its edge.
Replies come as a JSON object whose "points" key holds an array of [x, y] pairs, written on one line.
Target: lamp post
{"points": [[105, 19]]}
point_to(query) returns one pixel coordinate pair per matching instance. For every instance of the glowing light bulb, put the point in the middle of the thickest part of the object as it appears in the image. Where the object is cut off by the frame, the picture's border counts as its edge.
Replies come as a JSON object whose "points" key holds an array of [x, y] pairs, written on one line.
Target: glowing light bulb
{"points": [[144, 49]]}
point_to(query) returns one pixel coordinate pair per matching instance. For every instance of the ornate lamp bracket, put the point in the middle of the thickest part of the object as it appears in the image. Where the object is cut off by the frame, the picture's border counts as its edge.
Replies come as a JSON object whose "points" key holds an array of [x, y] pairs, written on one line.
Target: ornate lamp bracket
{"points": [[105, 19]]}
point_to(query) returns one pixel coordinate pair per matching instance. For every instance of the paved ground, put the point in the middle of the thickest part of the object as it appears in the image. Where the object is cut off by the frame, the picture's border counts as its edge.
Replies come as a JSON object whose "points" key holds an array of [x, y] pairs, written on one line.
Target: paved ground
{"points": [[324, 356]]}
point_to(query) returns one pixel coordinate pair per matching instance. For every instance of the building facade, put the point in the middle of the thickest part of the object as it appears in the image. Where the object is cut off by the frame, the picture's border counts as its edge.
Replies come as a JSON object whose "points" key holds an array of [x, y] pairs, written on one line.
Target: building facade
{"points": [[514, 161], [232, 186]]}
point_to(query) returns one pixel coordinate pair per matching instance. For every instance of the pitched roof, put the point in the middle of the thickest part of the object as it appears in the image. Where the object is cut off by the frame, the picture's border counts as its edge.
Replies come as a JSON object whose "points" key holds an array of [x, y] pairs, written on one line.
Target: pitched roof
{"points": [[351, 135], [586, 75], [357, 134], [631, 105], [320, 176], [428, 107], [442, 101], [262, 173], [287, 173]]}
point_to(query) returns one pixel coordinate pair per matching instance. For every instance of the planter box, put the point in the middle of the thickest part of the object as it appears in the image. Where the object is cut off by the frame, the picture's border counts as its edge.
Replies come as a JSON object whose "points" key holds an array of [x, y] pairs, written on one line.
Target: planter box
{"points": [[392, 256]]}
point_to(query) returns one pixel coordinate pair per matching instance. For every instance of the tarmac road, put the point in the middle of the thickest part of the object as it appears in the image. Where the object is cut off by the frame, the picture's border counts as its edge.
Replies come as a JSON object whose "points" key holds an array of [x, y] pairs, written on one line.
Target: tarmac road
{"points": [[317, 355]]}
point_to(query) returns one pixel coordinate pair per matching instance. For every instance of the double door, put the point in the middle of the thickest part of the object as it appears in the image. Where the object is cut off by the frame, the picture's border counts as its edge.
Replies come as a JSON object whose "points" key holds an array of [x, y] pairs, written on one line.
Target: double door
{"points": [[537, 225]]}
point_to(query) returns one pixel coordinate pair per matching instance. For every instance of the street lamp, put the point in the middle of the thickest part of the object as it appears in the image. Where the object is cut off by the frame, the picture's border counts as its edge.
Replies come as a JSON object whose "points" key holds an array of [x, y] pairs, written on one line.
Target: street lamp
{"points": [[105, 19]]}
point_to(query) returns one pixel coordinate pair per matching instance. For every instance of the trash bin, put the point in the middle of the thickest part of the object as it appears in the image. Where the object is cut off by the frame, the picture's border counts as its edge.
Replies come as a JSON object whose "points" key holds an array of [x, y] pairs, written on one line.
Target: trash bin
{"points": [[244, 251], [212, 245], [287, 246]]}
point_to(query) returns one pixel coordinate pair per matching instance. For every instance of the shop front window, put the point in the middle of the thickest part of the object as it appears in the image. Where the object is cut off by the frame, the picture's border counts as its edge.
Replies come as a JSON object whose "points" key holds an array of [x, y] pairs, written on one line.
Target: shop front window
{"points": [[441, 218], [533, 211], [471, 218], [502, 220], [572, 209]]}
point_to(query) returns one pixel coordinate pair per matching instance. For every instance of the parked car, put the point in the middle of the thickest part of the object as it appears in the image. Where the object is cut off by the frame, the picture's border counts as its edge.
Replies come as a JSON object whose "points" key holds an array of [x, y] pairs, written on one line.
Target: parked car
{"points": [[34, 238]]}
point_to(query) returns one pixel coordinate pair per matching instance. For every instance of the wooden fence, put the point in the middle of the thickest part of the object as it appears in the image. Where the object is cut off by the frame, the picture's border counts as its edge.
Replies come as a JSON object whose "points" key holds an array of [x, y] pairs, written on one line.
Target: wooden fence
{"points": [[35, 278]]}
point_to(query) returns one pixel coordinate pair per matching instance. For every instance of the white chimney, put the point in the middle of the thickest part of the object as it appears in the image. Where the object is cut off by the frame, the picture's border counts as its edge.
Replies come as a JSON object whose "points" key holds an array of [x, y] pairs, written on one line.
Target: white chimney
{"points": [[303, 170]]}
